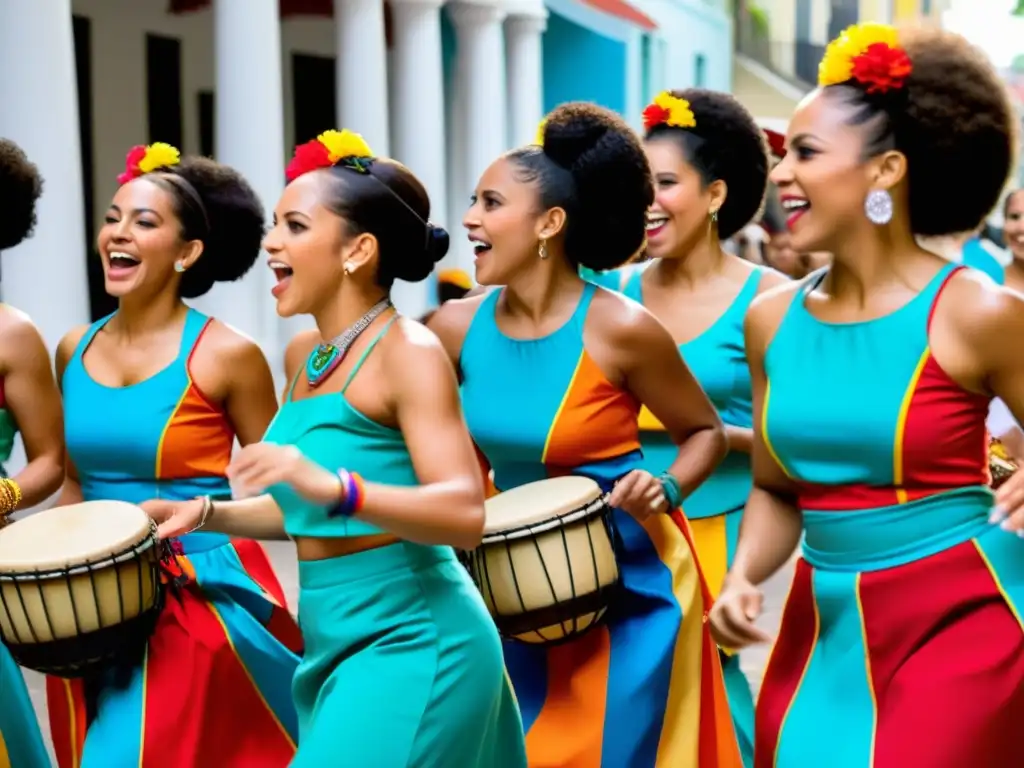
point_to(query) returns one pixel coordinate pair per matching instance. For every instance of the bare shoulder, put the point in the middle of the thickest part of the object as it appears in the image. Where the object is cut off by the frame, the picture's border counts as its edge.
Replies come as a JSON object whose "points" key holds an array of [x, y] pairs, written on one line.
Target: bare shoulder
{"points": [[625, 322], [67, 345], [18, 337], [983, 312], [451, 321], [414, 356], [230, 347]]}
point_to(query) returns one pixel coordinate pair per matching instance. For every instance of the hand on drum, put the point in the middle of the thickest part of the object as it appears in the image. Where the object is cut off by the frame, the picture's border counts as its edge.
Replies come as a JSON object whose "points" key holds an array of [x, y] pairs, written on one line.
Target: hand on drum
{"points": [[174, 518], [733, 615], [640, 494], [1008, 512], [261, 465]]}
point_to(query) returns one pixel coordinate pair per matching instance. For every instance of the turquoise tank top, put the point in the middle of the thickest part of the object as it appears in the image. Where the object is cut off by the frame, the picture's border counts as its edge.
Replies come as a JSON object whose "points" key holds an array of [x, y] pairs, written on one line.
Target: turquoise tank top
{"points": [[718, 360], [333, 434], [539, 408], [158, 439], [861, 415]]}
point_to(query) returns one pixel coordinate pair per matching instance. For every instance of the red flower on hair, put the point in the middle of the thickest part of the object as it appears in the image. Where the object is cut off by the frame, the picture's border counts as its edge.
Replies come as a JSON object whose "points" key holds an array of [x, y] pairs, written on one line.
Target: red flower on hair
{"points": [[881, 68], [776, 142], [655, 114], [131, 164], [310, 156]]}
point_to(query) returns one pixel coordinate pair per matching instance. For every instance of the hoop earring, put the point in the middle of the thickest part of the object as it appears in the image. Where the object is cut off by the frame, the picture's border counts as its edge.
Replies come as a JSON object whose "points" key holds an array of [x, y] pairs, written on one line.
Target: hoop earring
{"points": [[878, 207], [542, 249], [179, 266]]}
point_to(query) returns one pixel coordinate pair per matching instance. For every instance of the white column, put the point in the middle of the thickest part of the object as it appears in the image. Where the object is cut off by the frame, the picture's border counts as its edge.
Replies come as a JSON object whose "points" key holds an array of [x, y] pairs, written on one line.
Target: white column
{"points": [[525, 73], [250, 138], [362, 70], [45, 275], [418, 120], [480, 108]]}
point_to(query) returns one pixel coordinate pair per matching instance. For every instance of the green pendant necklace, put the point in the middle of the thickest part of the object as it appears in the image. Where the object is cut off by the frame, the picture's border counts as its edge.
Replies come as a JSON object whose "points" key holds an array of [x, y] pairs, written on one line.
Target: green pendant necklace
{"points": [[328, 355]]}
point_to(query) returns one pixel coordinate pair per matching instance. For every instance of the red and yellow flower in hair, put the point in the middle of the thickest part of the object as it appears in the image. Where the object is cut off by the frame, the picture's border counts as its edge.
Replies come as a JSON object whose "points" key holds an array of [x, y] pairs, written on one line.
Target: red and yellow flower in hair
{"points": [[667, 109], [539, 138], [142, 159], [868, 54], [328, 149]]}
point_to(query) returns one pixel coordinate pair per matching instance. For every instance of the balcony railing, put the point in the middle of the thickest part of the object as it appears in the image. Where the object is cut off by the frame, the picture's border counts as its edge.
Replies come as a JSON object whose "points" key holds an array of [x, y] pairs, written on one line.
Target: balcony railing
{"points": [[796, 61]]}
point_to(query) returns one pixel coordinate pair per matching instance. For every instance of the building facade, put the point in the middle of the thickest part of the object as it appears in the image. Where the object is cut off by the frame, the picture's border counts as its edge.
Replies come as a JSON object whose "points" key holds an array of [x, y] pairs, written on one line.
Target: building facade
{"points": [[442, 86]]}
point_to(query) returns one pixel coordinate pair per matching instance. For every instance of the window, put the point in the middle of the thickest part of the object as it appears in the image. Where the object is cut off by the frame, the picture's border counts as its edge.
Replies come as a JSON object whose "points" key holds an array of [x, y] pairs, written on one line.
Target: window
{"points": [[313, 92], [163, 89]]}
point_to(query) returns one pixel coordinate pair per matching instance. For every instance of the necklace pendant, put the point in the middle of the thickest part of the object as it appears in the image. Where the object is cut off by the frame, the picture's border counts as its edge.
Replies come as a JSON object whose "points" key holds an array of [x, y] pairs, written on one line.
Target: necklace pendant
{"points": [[323, 361]]}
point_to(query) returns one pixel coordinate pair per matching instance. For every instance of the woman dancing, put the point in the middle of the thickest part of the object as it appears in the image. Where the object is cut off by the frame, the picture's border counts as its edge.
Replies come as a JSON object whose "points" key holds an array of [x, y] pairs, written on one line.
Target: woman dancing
{"points": [[369, 468], [710, 169], [901, 641], [554, 371], [154, 397], [29, 403]]}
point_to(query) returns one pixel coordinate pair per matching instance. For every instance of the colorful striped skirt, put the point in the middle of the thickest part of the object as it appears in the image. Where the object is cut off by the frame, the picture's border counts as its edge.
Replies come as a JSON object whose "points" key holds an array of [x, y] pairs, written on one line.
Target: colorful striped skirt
{"points": [[901, 642], [21, 742], [644, 690], [214, 688], [715, 540]]}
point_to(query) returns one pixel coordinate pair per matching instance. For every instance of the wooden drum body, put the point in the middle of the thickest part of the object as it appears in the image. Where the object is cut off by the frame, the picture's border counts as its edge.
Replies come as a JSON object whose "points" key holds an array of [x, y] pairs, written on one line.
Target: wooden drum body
{"points": [[546, 567], [80, 587]]}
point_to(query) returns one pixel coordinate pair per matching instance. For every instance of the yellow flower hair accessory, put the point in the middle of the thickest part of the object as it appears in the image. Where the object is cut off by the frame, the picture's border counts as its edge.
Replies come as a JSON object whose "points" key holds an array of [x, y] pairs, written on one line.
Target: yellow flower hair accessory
{"points": [[143, 159], [868, 54], [667, 109], [539, 139], [328, 149]]}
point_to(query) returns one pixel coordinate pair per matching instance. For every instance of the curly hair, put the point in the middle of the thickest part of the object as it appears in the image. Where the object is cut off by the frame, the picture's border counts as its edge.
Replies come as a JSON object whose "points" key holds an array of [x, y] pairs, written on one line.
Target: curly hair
{"points": [[592, 165], [20, 188], [391, 203], [954, 122], [727, 145], [217, 206]]}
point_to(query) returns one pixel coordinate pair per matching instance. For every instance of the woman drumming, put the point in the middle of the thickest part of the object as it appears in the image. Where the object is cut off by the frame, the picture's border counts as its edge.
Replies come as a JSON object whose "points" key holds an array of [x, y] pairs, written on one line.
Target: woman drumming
{"points": [[554, 372], [154, 397], [901, 641], [710, 169], [369, 468], [29, 403]]}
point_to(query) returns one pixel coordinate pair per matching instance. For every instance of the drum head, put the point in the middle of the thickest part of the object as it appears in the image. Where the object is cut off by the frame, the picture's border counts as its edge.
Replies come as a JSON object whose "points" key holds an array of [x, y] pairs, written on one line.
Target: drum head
{"points": [[62, 537], [540, 501]]}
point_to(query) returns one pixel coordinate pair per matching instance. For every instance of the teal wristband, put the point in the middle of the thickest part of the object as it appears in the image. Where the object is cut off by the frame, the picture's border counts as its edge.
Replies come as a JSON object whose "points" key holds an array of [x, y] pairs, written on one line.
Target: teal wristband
{"points": [[670, 487]]}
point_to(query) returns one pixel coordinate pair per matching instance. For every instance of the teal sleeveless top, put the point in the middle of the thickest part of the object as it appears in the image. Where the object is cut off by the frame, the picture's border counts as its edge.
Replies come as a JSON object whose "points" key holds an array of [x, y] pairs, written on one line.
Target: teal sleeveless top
{"points": [[861, 416], [977, 257], [333, 434], [718, 360]]}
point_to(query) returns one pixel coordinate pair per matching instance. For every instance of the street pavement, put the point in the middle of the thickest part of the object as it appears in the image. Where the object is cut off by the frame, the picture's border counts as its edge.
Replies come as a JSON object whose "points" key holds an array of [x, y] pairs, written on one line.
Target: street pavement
{"points": [[283, 556]]}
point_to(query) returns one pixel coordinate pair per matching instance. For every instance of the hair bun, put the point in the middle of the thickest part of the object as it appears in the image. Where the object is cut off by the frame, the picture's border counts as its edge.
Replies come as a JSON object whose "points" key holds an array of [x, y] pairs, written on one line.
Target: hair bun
{"points": [[438, 242], [572, 131]]}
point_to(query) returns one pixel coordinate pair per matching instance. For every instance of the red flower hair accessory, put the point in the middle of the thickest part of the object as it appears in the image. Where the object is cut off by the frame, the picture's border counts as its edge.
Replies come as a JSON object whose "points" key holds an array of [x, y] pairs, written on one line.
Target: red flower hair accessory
{"points": [[329, 149], [667, 109], [142, 160], [868, 54]]}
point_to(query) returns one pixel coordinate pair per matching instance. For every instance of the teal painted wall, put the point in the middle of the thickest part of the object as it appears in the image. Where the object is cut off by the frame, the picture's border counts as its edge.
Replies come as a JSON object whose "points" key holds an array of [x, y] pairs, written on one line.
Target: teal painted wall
{"points": [[581, 65]]}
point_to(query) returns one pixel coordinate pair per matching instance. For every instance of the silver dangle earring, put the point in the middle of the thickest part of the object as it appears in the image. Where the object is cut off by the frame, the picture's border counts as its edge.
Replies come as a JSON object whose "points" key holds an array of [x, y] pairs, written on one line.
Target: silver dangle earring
{"points": [[542, 249], [714, 217], [179, 266], [878, 207]]}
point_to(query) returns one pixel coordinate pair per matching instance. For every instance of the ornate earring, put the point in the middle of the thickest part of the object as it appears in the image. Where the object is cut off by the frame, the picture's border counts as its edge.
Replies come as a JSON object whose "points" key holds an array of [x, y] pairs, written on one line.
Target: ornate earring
{"points": [[179, 266], [542, 249], [714, 217], [878, 206]]}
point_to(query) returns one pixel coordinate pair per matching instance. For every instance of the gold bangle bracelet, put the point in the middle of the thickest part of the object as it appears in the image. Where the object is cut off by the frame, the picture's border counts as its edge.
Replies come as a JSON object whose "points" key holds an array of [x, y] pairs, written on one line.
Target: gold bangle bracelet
{"points": [[10, 496]]}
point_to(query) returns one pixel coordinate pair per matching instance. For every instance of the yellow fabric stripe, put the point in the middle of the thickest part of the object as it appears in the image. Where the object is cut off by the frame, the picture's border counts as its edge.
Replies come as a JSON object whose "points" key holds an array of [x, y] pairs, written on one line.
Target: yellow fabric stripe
{"points": [[561, 407], [803, 674], [167, 426], [764, 431], [901, 427], [999, 584]]}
